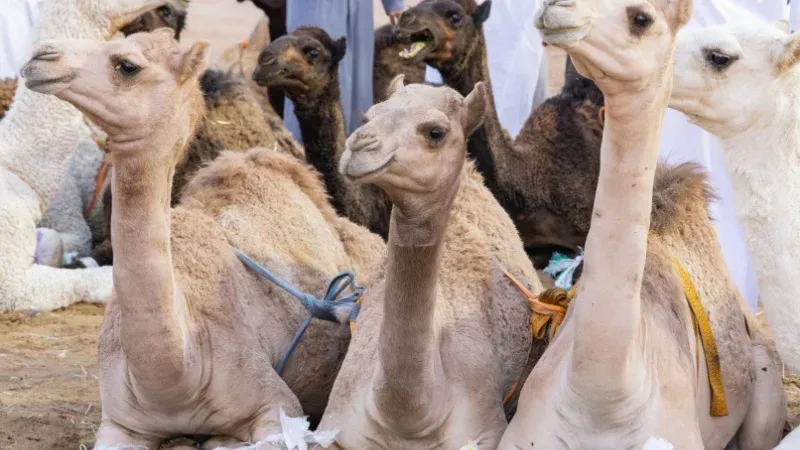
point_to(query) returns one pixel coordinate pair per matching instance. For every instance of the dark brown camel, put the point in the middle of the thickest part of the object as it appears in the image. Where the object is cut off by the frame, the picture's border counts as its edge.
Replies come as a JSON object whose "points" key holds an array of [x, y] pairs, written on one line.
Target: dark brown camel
{"points": [[304, 65], [388, 63], [559, 136], [170, 15]]}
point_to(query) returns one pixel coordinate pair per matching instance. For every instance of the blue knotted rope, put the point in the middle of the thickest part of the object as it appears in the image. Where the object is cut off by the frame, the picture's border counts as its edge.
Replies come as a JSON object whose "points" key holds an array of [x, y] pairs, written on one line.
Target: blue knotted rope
{"points": [[330, 308]]}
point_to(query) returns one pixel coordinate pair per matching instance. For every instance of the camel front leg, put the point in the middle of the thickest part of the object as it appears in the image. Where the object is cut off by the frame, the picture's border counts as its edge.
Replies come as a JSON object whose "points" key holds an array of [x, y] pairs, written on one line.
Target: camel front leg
{"points": [[112, 436], [765, 419]]}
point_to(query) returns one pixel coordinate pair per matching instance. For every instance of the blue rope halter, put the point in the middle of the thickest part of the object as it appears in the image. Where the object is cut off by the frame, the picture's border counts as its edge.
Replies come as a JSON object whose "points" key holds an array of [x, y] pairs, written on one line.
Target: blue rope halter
{"points": [[331, 308]]}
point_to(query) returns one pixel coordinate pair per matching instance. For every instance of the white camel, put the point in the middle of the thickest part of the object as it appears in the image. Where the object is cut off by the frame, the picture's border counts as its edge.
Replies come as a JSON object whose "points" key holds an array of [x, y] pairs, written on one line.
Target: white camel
{"points": [[741, 81], [37, 136]]}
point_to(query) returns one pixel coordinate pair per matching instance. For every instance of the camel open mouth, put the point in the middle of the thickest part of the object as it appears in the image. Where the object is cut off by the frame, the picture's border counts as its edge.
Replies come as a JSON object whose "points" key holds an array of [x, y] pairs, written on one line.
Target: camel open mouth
{"points": [[420, 40]]}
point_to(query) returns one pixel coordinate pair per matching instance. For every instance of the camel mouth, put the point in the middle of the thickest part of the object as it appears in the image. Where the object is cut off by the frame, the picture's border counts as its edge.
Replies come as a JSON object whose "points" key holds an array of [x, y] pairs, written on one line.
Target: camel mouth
{"points": [[564, 36], [48, 85], [421, 43], [365, 164], [279, 79]]}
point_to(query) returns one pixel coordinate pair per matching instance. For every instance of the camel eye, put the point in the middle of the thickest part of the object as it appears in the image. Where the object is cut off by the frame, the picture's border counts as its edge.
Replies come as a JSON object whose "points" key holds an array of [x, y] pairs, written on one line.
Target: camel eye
{"points": [[312, 54], [165, 12], [454, 18], [436, 134], [640, 21], [719, 60], [127, 69]]}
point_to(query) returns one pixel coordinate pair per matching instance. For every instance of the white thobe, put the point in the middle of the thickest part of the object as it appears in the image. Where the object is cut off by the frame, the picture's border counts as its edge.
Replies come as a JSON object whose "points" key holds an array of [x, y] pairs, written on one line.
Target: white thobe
{"points": [[682, 141], [16, 23], [517, 61]]}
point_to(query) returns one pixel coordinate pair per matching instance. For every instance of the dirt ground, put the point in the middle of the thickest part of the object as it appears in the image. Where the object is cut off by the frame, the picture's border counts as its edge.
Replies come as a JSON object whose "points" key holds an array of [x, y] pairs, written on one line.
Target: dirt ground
{"points": [[48, 366]]}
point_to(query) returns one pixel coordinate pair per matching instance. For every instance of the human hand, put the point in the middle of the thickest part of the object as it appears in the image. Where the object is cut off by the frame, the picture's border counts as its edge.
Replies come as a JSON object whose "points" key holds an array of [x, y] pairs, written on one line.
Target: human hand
{"points": [[394, 16]]}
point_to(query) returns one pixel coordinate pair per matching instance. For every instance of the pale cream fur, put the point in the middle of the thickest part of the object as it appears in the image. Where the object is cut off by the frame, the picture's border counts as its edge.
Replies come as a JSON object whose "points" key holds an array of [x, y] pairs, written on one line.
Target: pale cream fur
{"points": [[626, 366], [190, 339], [441, 341]]}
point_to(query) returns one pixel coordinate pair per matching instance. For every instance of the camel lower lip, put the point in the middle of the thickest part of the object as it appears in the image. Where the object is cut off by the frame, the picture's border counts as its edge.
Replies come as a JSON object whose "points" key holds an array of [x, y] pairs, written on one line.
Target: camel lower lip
{"points": [[362, 176]]}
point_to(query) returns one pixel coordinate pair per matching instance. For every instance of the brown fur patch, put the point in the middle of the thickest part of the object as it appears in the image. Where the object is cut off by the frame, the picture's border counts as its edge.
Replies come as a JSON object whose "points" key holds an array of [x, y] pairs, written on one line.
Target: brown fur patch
{"points": [[8, 87]]}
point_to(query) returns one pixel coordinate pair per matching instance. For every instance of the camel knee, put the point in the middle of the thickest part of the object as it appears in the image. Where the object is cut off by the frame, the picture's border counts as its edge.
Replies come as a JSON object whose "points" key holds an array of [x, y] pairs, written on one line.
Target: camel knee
{"points": [[766, 417]]}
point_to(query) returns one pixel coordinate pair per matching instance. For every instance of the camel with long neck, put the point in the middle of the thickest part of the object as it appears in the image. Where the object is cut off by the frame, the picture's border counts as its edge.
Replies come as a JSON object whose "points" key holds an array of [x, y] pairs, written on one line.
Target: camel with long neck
{"points": [[761, 136], [447, 34], [305, 66], [443, 338], [191, 335], [37, 136], [626, 369]]}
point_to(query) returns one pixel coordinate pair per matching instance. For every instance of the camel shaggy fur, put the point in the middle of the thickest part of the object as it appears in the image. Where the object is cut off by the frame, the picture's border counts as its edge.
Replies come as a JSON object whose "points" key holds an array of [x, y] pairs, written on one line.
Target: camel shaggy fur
{"points": [[190, 338], [304, 66], [74, 221], [37, 136], [761, 136], [625, 368], [445, 335]]}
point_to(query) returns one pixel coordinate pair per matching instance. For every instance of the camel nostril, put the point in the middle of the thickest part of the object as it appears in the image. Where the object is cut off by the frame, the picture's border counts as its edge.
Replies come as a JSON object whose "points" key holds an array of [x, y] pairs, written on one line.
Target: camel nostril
{"points": [[561, 3]]}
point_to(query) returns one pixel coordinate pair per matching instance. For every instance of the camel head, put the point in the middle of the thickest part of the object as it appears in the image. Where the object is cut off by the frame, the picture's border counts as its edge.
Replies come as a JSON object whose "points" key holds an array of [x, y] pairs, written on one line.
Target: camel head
{"points": [[620, 44], [413, 145], [302, 63], [171, 15], [728, 77], [113, 15], [442, 33], [136, 89]]}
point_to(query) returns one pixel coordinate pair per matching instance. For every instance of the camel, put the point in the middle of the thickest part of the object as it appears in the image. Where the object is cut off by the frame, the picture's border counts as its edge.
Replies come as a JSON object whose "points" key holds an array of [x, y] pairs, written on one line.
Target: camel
{"points": [[33, 163], [447, 35], [191, 335], [762, 147], [304, 66], [171, 14], [445, 335], [388, 63], [626, 367]]}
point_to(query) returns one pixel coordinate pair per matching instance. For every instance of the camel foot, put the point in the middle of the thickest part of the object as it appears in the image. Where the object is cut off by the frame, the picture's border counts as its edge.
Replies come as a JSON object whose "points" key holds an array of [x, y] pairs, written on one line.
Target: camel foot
{"points": [[111, 436], [49, 248]]}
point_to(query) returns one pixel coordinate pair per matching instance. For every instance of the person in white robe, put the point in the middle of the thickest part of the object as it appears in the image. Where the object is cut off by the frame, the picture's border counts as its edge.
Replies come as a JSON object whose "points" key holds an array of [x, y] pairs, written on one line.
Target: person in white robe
{"points": [[17, 18]]}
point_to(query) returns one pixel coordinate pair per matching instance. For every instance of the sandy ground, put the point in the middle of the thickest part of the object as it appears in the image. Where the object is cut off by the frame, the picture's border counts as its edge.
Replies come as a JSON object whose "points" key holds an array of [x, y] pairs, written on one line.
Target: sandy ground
{"points": [[48, 365]]}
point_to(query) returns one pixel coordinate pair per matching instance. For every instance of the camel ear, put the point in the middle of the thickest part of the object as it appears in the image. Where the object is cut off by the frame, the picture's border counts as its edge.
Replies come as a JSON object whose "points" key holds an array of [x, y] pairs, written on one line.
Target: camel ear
{"points": [[791, 53], [194, 61], [397, 83], [482, 13], [339, 49], [783, 25], [476, 103]]}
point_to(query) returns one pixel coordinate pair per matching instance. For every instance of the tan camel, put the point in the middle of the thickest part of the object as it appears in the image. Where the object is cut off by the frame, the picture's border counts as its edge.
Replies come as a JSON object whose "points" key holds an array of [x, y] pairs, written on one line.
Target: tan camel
{"points": [[191, 336], [627, 369], [445, 336]]}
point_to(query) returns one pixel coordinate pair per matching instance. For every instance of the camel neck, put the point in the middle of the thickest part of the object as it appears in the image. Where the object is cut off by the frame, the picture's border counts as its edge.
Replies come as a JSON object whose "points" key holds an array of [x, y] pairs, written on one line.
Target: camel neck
{"points": [[143, 271], [608, 306], [38, 134], [407, 348], [322, 127], [490, 145]]}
